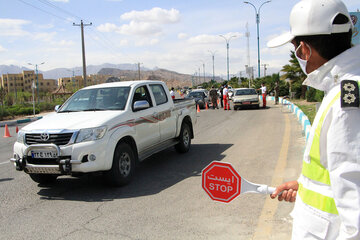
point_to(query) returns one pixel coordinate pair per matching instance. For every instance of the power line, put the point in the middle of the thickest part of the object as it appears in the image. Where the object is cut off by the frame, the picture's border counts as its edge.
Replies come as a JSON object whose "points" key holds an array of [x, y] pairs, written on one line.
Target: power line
{"points": [[61, 10], [42, 10]]}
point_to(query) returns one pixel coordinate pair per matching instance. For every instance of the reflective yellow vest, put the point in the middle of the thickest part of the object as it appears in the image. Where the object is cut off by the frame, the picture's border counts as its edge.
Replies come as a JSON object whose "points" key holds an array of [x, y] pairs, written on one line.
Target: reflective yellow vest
{"points": [[317, 172]]}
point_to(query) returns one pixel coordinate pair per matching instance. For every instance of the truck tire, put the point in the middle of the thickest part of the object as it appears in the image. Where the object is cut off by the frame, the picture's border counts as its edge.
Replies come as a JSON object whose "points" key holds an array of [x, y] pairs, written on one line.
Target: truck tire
{"points": [[43, 178], [123, 166], [184, 139]]}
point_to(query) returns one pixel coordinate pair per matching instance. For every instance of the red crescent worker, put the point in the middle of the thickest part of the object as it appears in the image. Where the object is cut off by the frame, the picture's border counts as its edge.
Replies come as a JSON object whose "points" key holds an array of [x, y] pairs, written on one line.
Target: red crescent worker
{"points": [[263, 93], [172, 93], [226, 96]]}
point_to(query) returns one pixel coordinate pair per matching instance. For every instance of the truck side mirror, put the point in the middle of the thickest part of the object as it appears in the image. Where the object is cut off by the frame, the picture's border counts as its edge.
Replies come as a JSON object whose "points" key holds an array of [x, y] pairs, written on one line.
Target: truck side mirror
{"points": [[57, 107], [140, 105]]}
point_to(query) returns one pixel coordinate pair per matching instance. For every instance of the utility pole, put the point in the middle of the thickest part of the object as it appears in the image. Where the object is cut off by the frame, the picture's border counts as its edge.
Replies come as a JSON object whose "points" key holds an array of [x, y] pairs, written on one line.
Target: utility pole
{"points": [[83, 47], [265, 68], [257, 13], [213, 61], [203, 63], [227, 40], [37, 78], [247, 35], [139, 70]]}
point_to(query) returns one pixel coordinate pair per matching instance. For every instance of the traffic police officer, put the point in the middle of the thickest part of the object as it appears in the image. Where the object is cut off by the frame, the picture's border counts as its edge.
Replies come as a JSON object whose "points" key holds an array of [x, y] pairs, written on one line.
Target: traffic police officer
{"points": [[327, 194]]}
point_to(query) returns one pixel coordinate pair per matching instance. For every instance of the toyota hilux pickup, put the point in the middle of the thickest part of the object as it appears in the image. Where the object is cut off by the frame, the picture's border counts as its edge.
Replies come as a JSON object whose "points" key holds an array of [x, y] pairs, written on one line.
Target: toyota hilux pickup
{"points": [[106, 128]]}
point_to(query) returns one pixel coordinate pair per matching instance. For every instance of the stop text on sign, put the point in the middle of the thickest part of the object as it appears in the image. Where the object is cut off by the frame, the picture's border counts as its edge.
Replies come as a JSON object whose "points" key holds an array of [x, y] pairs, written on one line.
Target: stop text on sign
{"points": [[221, 182]]}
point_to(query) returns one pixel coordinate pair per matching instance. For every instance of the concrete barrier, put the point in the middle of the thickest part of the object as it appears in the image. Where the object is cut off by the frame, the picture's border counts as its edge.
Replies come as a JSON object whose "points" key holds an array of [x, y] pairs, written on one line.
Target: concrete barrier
{"points": [[16, 122], [303, 119]]}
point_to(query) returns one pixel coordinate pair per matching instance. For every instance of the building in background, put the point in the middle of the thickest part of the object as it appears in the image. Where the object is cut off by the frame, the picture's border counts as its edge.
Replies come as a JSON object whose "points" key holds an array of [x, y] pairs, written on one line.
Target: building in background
{"points": [[22, 82], [77, 82]]}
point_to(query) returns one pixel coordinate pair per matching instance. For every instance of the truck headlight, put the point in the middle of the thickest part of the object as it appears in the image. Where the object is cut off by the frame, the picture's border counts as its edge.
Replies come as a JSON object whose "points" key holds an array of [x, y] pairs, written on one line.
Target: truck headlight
{"points": [[20, 137], [90, 134]]}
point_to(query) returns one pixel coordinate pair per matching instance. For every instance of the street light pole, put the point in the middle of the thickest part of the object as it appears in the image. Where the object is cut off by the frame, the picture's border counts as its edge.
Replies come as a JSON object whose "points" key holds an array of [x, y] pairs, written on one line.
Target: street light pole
{"points": [[227, 40], [37, 79], [203, 69], [213, 61], [257, 13]]}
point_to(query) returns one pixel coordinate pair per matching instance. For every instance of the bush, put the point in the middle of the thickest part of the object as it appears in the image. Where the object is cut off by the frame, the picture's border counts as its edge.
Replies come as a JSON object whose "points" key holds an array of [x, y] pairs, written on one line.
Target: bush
{"points": [[313, 95]]}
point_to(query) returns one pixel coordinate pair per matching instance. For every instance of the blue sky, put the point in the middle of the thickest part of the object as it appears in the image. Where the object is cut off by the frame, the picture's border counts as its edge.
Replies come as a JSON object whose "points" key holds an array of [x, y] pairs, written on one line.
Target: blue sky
{"points": [[172, 34]]}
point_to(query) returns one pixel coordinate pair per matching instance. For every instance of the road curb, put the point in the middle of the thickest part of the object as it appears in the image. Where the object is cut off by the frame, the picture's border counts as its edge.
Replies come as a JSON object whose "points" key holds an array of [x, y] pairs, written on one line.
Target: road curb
{"points": [[303, 119], [16, 122]]}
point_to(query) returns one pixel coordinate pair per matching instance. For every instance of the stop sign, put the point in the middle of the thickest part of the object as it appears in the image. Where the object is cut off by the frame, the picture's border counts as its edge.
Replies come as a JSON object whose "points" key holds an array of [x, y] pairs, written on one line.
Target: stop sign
{"points": [[221, 182]]}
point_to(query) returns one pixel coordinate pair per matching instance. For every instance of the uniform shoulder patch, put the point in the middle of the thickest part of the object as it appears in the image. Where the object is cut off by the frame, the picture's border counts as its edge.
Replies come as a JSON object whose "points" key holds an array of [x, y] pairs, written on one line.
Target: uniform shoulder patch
{"points": [[349, 94]]}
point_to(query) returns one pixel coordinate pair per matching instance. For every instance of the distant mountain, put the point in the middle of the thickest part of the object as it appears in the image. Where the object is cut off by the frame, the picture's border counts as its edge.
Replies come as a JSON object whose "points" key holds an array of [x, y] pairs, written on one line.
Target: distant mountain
{"points": [[90, 69], [124, 72], [171, 78], [4, 69], [67, 72]]}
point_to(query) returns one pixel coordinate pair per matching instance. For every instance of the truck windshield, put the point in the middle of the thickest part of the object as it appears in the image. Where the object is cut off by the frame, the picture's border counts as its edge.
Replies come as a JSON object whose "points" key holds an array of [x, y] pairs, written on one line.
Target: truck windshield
{"points": [[98, 99]]}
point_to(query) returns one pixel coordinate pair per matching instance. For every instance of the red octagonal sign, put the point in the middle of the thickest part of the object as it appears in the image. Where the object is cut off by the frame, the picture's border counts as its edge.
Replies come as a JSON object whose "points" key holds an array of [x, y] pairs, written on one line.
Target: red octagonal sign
{"points": [[221, 182]]}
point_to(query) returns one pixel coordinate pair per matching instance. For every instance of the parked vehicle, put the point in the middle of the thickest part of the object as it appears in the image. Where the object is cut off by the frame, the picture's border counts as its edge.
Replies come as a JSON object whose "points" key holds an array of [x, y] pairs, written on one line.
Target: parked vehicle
{"points": [[245, 97], [200, 96], [106, 128]]}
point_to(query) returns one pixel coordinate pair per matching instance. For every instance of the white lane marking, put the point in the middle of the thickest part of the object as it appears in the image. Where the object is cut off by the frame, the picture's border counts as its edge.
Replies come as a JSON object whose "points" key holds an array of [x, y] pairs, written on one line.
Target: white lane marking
{"points": [[4, 162]]}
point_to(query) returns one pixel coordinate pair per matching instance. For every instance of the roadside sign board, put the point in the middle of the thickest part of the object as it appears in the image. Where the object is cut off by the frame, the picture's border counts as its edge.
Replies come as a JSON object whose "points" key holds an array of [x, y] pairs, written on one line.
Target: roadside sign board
{"points": [[221, 182]]}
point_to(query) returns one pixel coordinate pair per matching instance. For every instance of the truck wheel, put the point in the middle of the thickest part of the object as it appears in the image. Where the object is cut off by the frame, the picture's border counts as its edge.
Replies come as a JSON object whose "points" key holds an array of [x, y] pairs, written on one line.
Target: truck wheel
{"points": [[184, 139], [43, 178], [123, 166]]}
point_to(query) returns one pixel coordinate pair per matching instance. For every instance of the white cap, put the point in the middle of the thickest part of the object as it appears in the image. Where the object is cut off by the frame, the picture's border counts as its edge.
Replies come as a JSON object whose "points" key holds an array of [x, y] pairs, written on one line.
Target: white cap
{"points": [[314, 17]]}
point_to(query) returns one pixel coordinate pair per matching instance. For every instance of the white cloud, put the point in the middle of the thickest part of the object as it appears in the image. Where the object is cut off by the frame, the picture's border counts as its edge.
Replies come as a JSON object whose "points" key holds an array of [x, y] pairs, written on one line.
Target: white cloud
{"points": [[66, 43], [147, 42], [182, 36], [44, 36], [46, 26], [12, 27], [211, 39], [143, 23], [139, 28], [155, 15], [2, 49], [133, 28], [107, 27]]}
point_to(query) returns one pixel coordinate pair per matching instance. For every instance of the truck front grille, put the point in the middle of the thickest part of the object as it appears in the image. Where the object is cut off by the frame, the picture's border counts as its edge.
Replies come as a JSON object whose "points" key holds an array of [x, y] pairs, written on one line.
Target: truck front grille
{"points": [[57, 139]]}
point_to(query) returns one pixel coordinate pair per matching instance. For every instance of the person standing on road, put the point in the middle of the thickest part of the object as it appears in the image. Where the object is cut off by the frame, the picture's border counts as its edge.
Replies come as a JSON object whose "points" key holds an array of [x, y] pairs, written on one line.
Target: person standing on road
{"points": [[226, 97], [221, 96], [327, 193], [263, 94], [213, 97], [172, 93]]}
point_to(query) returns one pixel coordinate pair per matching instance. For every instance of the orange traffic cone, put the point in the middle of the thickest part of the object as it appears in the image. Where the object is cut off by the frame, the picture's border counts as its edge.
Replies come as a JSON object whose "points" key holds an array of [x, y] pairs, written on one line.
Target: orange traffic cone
{"points": [[17, 129], [7, 133], [198, 108], [206, 106], [218, 102]]}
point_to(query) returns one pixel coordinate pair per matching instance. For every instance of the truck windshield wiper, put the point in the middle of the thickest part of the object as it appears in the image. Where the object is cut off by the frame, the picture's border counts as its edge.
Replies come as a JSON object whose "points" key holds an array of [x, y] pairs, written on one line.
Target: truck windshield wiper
{"points": [[93, 109], [67, 111]]}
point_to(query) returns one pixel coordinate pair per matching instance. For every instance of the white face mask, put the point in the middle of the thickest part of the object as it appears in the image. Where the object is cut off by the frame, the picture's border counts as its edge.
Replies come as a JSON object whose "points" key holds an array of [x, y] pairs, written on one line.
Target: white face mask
{"points": [[302, 62]]}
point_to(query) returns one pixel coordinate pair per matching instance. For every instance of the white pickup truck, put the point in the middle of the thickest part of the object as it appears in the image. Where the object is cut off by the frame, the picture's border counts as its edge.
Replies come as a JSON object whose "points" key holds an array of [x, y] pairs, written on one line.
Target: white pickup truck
{"points": [[105, 128]]}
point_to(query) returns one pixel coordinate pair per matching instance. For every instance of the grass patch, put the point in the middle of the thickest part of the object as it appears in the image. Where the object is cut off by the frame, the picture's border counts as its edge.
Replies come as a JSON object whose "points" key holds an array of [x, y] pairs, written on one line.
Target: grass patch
{"points": [[308, 108]]}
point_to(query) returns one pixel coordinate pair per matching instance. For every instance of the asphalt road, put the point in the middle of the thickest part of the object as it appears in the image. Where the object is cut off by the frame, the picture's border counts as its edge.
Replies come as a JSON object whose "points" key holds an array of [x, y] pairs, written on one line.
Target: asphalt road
{"points": [[165, 200]]}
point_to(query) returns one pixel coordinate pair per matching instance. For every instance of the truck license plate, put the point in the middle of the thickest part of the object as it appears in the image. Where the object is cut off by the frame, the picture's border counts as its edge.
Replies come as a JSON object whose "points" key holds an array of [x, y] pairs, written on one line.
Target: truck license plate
{"points": [[246, 102], [43, 154]]}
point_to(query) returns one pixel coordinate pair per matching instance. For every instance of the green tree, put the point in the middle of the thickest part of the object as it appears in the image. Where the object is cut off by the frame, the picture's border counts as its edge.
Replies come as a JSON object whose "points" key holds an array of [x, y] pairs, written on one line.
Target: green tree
{"points": [[295, 75]]}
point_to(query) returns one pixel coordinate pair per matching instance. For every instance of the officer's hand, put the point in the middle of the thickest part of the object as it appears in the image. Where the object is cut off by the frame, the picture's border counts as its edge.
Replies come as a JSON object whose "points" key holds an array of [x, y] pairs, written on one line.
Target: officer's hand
{"points": [[287, 191]]}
